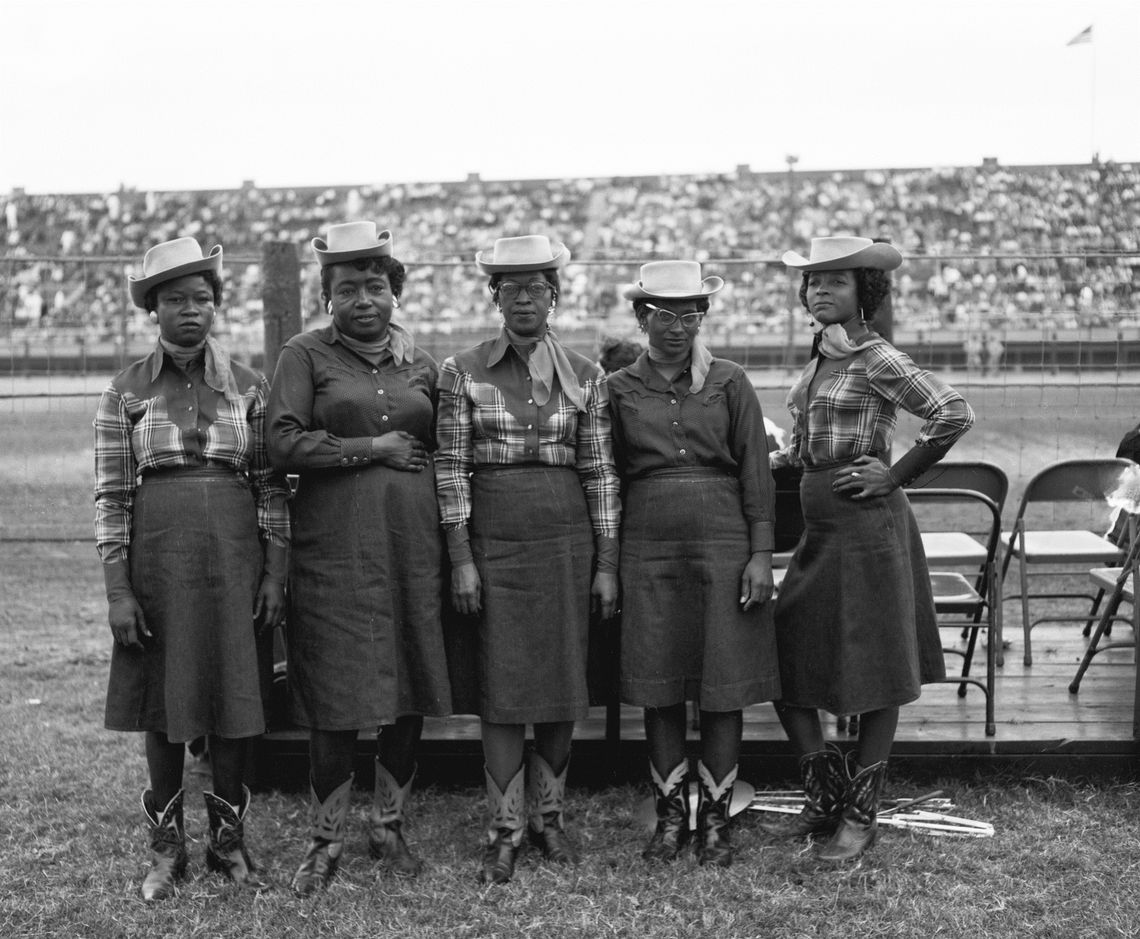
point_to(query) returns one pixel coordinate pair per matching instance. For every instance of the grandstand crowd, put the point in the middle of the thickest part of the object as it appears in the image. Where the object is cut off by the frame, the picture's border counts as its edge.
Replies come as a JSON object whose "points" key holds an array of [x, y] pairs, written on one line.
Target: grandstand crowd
{"points": [[990, 249]]}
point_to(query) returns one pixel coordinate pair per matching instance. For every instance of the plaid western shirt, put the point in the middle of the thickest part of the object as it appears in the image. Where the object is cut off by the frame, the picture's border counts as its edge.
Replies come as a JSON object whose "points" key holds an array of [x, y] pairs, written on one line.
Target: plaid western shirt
{"points": [[154, 415], [855, 409], [488, 417]]}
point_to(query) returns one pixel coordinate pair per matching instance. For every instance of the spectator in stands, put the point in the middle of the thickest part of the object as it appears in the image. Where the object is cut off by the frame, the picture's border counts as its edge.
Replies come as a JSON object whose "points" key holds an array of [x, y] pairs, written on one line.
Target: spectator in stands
{"points": [[352, 411], [190, 423], [696, 553], [528, 495], [855, 617]]}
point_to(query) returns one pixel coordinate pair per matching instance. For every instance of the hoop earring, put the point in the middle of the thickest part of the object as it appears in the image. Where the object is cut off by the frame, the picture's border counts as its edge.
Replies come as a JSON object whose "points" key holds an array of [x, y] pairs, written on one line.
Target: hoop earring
{"points": [[154, 316]]}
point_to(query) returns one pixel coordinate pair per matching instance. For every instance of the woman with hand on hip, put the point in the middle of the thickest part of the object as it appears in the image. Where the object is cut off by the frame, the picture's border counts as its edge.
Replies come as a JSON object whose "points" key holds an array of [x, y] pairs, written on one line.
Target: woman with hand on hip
{"points": [[855, 618], [352, 412], [528, 498], [696, 542], [193, 530]]}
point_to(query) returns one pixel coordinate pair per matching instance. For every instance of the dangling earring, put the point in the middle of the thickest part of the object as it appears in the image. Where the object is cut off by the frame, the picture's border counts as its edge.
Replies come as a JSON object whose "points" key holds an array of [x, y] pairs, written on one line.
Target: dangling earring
{"points": [[328, 306], [550, 309], [396, 303], [862, 318], [154, 316]]}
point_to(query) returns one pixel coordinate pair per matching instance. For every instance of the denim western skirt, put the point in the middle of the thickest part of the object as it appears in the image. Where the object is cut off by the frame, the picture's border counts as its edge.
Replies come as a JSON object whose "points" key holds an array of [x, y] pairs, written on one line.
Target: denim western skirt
{"points": [[855, 621], [196, 564], [684, 546], [533, 547]]}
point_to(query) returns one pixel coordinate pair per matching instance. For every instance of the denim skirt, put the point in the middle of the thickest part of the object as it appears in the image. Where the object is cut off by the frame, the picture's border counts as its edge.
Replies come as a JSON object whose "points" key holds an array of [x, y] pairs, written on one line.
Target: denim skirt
{"points": [[855, 621], [533, 547], [196, 564], [684, 546]]}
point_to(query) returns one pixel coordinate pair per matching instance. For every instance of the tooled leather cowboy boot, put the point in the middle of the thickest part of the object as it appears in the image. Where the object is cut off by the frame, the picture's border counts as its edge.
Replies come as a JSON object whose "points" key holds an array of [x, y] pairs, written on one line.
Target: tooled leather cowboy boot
{"points": [[714, 821], [326, 841], [385, 824], [504, 829], [167, 847], [547, 797], [672, 803], [225, 851], [859, 824], [824, 777]]}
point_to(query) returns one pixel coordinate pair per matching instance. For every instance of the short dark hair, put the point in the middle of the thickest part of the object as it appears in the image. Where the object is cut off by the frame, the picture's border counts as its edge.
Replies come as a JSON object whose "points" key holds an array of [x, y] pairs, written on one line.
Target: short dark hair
{"points": [[386, 264], [150, 301], [618, 353], [550, 273], [872, 287], [640, 303]]}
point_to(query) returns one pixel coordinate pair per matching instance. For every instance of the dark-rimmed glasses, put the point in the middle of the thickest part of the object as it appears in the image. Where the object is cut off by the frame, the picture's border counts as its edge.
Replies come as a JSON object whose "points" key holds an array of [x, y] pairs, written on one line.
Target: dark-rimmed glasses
{"points": [[668, 317], [509, 290]]}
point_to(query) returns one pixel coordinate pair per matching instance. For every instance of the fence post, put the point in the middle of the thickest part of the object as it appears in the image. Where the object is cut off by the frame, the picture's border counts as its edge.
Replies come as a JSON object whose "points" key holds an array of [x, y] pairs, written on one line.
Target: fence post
{"points": [[280, 298]]}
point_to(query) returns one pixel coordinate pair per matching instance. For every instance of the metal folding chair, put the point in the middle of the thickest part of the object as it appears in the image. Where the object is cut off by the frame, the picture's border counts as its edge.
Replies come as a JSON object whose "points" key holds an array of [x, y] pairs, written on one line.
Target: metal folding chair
{"points": [[1119, 586], [967, 597], [1065, 482]]}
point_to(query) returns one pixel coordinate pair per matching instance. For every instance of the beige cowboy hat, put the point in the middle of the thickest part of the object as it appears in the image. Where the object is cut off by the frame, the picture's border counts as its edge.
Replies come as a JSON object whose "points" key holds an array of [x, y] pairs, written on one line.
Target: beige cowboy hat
{"points": [[525, 253], [672, 280], [169, 261], [352, 240], [844, 252]]}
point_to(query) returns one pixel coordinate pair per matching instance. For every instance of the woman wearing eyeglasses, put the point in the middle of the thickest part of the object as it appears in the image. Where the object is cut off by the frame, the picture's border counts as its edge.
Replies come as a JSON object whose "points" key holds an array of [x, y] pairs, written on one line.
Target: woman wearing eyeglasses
{"points": [[697, 533], [528, 496]]}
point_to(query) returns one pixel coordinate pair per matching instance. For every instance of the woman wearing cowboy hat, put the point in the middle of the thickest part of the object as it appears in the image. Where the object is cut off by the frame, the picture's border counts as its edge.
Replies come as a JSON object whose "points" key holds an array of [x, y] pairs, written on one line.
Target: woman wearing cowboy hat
{"points": [[855, 620], [352, 411], [697, 553], [528, 496], [194, 556]]}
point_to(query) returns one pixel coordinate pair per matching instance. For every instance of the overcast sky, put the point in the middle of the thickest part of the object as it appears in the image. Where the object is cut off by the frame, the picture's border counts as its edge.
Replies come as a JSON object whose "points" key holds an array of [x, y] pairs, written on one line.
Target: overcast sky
{"points": [[168, 94]]}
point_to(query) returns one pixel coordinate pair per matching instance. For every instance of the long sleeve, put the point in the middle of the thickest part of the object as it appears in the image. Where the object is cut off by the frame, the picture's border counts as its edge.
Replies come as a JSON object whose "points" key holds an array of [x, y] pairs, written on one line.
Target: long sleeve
{"points": [[116, 471], [293, 442], [595, 461], [270, 489], [749, 446], [454, 460]]}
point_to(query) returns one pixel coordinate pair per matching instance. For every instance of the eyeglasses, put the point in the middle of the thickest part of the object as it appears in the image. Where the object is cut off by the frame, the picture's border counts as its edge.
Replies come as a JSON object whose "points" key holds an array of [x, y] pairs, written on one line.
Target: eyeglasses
{"points": [[668, 317], [509, 290]]}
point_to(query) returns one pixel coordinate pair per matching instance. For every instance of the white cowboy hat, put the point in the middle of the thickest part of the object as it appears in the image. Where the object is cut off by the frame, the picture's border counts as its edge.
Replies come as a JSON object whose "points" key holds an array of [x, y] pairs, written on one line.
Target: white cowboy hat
{"points": [[844, 252], [169, 261], [672, 280], [352, 240], [525, 253]]}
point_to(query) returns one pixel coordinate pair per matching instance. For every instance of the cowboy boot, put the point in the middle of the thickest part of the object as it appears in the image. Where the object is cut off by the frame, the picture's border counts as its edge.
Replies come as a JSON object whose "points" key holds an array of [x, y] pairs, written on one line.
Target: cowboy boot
{"points": [[167, 847], [672, 798], [824, 779], [713, 818], [326, 841], [505, 829], [225, 850], [385, 821], [546, 794], [859, 824]]}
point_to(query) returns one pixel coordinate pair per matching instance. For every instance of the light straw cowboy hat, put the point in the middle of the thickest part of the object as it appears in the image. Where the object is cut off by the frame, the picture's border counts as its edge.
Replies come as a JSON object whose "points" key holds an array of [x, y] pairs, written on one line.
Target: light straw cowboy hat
{"points": [[844, 252], [672, 280], [352, 240], [522, 254], [169, 261]]}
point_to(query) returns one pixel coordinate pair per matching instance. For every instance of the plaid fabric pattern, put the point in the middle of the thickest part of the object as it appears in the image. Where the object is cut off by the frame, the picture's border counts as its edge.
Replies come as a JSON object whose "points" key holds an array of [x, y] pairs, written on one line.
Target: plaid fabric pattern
{"points": [[855, 410], [486, 418], [154, 415]]}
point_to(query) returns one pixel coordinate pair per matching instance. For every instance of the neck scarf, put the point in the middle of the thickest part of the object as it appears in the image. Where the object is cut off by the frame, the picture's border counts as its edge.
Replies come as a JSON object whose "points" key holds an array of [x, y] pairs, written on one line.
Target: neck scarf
{"points": [[834, 341], [219, 375], [183, 355], [545, 358], [701, 360]]}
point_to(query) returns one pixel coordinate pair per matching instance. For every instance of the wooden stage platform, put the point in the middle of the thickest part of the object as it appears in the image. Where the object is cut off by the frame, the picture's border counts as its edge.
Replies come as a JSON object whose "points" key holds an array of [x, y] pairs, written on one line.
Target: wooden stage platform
{"points": [[1042, 729]]}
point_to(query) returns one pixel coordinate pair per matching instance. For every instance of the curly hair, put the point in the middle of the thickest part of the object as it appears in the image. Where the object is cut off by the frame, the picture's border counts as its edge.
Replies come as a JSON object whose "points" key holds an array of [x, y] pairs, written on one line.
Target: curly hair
{"points": [[210, 277], [618, 353], [872, 287], [550, 273], [382, 265]]}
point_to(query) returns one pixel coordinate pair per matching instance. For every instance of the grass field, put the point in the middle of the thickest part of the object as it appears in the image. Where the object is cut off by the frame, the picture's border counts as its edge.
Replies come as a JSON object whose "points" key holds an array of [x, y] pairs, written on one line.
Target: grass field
{"points": [[1063, 863]]}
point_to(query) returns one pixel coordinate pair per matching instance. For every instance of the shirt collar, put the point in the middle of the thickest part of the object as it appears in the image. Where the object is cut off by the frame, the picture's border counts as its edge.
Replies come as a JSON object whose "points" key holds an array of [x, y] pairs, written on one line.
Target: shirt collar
{"points": [[648, 375], [218, 376]]}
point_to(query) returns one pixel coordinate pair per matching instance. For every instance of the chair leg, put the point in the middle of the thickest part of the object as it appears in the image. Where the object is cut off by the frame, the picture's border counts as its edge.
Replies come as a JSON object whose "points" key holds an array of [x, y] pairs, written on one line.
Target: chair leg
{"points": [[1087, 631], [1102, 625], [1026, 625]]}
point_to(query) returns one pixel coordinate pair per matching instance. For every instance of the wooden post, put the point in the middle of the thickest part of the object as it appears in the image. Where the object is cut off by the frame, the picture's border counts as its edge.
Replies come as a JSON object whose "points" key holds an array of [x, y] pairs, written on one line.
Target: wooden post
{"points": [[280, 298]]}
